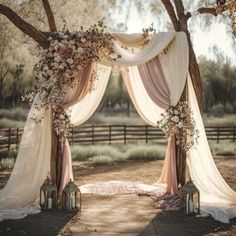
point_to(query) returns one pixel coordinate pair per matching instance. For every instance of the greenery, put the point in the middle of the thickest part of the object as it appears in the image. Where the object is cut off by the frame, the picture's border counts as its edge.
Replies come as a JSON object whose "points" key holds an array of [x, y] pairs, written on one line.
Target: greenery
{"points": [[225, 148], [7, 163], [117, 153]]}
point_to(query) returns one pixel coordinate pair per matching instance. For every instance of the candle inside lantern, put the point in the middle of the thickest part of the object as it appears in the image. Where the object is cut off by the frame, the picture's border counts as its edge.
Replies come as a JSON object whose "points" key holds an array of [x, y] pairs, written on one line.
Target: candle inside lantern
{"points": [[42, 200], [72, 199], [191, 206], [49, 203]]}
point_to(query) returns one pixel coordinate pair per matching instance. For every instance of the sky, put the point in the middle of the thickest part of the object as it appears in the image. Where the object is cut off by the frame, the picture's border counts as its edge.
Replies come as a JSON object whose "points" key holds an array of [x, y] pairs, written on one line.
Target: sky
{"points": [[203, 41]]}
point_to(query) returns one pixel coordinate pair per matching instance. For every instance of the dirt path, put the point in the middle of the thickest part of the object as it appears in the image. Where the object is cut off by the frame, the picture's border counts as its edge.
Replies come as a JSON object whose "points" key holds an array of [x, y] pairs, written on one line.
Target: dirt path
{"points": [[121, 215]]}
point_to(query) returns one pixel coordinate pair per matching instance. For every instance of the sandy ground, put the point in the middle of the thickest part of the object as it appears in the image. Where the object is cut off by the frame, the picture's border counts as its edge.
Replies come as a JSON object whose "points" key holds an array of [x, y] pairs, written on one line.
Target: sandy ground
{"points": [[121, 215]]}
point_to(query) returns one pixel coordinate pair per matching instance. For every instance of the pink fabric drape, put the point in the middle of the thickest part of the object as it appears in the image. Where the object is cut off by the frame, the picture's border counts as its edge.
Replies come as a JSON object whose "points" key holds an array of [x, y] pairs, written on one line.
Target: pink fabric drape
{"points": [[72, 97], [168, 174], [154, 82], [156, 87]]}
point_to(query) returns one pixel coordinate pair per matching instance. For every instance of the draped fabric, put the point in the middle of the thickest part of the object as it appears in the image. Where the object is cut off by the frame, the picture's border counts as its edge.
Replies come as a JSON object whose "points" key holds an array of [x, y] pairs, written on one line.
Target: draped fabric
{"points": [[31, 168], [155, 76], [73, 96], [217, 198]]}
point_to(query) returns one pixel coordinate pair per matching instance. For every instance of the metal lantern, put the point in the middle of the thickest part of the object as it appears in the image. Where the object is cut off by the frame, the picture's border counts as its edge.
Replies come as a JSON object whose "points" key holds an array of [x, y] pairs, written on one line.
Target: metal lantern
{"points": [[71, 195], [48, 195], [191, 196]]}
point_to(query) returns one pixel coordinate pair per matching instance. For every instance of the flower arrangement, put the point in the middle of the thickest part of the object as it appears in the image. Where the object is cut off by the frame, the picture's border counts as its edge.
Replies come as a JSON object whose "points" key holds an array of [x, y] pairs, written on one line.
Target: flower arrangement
{"points": [[62, 63], [178, 120]]}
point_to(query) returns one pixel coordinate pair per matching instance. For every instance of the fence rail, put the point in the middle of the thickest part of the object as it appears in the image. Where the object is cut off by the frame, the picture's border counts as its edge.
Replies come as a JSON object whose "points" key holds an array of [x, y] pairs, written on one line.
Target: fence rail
{"points": [[92, 134]]}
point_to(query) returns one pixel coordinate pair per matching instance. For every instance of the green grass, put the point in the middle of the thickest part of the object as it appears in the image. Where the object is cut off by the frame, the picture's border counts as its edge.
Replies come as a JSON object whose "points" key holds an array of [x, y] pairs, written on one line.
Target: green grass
{"points": [[7, 163], [13, 117], [226, 120], [117, 153], [224, 148]]}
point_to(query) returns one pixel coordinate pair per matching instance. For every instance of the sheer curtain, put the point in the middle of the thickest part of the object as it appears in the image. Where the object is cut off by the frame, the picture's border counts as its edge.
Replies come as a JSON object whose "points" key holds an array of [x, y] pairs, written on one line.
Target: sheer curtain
{"points": [[19, 196], [217, 198]]}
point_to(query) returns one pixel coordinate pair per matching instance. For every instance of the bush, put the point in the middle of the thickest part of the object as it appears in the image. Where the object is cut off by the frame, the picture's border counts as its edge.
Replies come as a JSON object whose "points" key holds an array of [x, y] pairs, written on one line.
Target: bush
{"points": [[7, 163], [19, 114], [225, 148], [101, 160], [146, 153], [117, 153], [217, 110]]}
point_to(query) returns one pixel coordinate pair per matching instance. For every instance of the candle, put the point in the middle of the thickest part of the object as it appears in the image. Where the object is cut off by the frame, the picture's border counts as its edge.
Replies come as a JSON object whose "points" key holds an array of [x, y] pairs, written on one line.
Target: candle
{"points": [[191, 206], [72, 200], [50, 203], [42, 200], [187, 205]]}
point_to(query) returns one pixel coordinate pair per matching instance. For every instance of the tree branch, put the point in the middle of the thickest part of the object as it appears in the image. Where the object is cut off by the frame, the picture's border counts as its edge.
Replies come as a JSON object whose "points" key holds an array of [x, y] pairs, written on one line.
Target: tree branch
{"points": [[25, 27], [171, 12], [208, 10], [50, 16]]}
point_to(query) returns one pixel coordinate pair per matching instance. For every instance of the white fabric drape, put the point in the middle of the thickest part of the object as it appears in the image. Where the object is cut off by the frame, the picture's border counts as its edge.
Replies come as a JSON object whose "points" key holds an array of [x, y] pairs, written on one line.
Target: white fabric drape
{"points": [[83, 110], [217, 198], [174, 62], [154, 47], [18, 198]]}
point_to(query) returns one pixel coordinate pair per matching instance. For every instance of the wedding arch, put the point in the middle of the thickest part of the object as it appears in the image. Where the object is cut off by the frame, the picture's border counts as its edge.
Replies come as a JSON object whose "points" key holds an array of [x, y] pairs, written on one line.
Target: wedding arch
{"points": [[155, 73]]}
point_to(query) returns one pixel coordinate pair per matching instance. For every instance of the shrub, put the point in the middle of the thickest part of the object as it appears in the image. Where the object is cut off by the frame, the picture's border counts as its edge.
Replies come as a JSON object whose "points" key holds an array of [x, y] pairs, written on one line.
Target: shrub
{"points": [[146, 153], [217, 110], [225, 148], [7, 163], [18, 113], [101, 160]]}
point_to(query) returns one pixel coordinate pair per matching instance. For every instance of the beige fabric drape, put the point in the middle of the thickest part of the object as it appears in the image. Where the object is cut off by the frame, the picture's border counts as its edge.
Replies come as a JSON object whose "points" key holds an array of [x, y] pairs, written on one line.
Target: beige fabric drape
{"points": [[72, 97], [155, 83]]}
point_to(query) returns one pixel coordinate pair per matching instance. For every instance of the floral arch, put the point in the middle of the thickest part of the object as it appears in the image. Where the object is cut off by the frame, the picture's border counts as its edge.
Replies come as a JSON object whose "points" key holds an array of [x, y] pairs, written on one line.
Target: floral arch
{"points": [[155, 72]]}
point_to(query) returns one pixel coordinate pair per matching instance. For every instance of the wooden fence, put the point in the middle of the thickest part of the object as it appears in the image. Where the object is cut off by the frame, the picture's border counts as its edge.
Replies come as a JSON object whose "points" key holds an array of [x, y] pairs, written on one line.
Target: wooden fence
{"points": [[93, 134]]}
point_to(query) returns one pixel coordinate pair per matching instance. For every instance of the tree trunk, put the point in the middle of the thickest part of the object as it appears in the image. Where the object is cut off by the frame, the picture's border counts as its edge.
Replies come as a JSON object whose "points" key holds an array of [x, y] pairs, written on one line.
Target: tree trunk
{"points": [[179, 20], [56, 160]]}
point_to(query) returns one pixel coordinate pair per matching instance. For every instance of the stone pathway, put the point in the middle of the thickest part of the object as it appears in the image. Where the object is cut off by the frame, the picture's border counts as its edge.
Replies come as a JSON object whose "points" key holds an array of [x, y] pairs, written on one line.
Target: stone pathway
{"points": [[116, 215]]}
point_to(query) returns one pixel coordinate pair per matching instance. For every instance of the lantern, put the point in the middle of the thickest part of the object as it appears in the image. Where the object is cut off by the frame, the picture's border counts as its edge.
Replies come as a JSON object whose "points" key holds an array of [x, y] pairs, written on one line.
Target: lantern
{"points": [[191, 196], [70, 196], [48, 195]]}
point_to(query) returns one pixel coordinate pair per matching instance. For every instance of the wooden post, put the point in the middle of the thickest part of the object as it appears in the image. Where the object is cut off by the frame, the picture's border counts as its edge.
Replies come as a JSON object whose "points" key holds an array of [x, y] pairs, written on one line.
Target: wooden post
{"points": [[109, 134], [9, 139], [234, 133], [17, 138], [92, 134], [146, 133], [124, 134]]}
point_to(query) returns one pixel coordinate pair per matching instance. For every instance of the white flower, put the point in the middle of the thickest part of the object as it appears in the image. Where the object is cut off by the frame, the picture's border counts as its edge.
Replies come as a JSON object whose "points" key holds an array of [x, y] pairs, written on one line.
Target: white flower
{"points": [[175, 119], [180, 124], [83, 40], [176, 112], [79, 67], [61, 66], [61, 116], [57, 58], [80, 50], [70, 61]]}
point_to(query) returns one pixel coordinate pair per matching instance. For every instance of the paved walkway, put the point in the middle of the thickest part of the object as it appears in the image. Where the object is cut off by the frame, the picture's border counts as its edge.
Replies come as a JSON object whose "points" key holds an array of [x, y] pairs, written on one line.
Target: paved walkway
{"points": [[116, 215]]}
